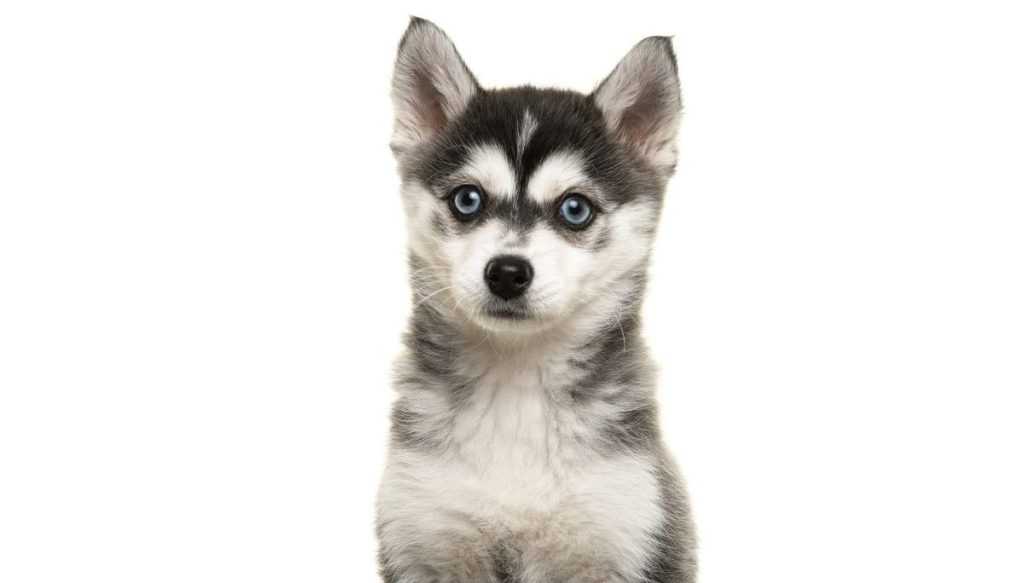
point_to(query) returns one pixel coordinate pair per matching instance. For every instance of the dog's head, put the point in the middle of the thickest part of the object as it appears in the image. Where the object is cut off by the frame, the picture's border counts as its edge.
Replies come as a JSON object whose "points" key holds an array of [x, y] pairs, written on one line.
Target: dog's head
{"points": [[528, 207]]}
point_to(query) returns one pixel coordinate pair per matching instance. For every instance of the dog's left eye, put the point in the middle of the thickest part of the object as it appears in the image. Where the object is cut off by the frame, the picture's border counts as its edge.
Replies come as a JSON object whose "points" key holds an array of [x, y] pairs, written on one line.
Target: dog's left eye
{"points": [[466, 201], [576, 211]]}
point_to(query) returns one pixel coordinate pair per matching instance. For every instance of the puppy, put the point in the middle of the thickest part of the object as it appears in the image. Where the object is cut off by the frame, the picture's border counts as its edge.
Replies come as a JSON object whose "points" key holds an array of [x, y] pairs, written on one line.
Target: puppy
{"points": [[524, 440]]}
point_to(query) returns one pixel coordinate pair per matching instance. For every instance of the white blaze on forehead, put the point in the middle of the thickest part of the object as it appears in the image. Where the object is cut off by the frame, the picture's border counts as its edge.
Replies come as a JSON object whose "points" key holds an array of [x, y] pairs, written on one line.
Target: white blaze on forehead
{"points": [[527, 128], [557, 174], [488, 166]]}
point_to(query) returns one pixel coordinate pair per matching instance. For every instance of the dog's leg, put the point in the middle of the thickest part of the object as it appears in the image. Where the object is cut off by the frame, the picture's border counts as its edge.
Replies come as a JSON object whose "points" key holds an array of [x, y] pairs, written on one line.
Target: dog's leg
{"points": [[574, 553], [544, 566], [434, 555]]}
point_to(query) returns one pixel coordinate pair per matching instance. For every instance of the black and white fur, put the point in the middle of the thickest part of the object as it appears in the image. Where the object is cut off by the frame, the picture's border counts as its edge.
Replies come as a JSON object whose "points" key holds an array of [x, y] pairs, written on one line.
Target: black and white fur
{"points": [[524, 441]]}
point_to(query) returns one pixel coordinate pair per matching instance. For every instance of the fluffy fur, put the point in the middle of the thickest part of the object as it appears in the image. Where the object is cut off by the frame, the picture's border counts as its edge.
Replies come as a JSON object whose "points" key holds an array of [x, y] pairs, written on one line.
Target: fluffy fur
{"points": [[525, 444]]}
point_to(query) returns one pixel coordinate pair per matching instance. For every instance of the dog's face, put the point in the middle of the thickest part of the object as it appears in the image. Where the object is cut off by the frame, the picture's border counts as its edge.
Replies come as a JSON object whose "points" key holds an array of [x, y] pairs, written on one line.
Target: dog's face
{"points": [[527, 207]]}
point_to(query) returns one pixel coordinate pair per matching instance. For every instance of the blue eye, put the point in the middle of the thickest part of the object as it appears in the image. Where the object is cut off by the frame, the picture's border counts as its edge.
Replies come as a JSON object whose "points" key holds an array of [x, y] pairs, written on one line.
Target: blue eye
{"points": [[576, 211], [466, 201]]}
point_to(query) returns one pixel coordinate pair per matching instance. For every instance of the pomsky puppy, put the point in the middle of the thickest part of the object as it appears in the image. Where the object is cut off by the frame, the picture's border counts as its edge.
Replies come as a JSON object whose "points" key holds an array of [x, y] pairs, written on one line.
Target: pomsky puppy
{"points": [[524, 440]]}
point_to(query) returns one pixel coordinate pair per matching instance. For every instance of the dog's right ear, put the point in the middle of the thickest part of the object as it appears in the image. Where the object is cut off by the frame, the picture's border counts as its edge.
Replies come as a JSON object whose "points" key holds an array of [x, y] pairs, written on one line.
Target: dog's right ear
{"points": [[431, 84]]}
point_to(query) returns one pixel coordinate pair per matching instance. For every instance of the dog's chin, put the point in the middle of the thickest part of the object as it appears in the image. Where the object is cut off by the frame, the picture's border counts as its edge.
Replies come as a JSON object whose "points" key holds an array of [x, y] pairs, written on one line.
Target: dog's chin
{"points": [[510, 317]]}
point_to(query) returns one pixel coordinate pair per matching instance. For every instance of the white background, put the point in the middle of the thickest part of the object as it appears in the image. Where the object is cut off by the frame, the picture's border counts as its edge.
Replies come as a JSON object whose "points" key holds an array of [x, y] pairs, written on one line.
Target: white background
{"points": [[202, 280]]}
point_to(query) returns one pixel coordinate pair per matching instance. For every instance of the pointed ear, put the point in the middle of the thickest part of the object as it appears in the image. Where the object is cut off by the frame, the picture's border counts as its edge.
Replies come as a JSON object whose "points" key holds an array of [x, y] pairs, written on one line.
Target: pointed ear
{"points": [[641, 101], [431, 84]]}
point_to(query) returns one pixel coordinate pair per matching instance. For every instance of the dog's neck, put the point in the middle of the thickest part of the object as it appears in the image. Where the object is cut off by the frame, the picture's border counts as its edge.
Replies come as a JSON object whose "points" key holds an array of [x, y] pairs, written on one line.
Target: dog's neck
{"points": [[584, 395], [449, 348]]}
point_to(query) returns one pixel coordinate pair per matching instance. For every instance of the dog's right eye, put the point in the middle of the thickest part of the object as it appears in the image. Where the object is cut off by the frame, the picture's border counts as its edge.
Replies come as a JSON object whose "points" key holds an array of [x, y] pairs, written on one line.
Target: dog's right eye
{"points": [[466, 201]]}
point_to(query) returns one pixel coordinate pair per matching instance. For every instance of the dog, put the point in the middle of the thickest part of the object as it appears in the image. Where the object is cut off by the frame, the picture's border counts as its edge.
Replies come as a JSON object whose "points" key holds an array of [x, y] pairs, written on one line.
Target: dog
{"points": [[524, 441]]}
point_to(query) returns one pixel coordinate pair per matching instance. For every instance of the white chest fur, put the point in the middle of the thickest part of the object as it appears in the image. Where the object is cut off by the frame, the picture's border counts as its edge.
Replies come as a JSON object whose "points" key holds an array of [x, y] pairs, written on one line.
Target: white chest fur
{"points": [[513, 429], [519, 463]]}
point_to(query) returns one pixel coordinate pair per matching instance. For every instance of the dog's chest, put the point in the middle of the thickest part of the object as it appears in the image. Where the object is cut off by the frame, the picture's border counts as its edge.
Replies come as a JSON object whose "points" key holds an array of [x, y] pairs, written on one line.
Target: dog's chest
{"points": [[522, 463], [518, 427]]}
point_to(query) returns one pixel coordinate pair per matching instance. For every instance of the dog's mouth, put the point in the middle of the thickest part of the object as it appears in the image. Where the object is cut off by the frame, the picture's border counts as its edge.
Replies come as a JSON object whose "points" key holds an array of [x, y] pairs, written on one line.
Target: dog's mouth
{"points": [[503, 313], [525, 313], [518, 316], [507, 312]]}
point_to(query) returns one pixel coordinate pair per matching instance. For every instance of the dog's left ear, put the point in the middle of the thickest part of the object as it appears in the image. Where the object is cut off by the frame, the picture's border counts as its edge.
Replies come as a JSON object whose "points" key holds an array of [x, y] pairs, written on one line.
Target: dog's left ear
{"points": [[431, 85], [641, 101]]}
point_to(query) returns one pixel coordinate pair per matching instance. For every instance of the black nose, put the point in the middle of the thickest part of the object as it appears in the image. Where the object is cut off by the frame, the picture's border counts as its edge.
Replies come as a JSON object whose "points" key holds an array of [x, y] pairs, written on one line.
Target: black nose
{"points": [[508, 276]]}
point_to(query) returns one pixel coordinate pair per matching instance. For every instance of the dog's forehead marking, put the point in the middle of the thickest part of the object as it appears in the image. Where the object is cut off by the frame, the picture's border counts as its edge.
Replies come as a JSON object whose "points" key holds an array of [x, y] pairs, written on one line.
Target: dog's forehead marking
{"points": [[557, 174], [488, 165], [527, 127]]}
